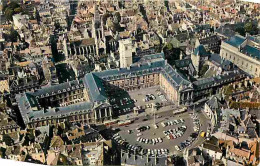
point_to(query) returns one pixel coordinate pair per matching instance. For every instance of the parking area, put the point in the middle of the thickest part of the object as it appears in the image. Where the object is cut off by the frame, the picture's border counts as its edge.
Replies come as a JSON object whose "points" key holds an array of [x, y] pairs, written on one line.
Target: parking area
{"points": [[179, 128], [171, 134]]}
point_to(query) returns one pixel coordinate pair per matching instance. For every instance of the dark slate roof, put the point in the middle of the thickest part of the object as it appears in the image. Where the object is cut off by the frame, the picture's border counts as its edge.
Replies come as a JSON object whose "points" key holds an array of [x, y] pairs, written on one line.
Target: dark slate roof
{"points": [[201, 51], [151, 57], [251, 51], [95, 87], [217, 80], [131, 159], [29, 113], [213, 103], [215, 58], [235, 41], [226, 31], [156, 66], [209, 40], [226, 64], [253, 39], [60, 88], [183, 63]]}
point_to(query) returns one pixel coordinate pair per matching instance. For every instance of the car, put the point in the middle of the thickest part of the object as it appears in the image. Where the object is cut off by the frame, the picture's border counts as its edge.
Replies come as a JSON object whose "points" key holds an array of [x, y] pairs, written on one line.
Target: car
{"points": [[177, 147], [160, 140], [155, 126], [163, 124], [152, 96], [139, 134]]}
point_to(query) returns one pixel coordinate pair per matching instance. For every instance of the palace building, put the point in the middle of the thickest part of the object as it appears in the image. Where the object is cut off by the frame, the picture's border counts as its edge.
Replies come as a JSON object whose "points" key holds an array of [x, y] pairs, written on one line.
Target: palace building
{"points": [[243, 52], [87, 100]]}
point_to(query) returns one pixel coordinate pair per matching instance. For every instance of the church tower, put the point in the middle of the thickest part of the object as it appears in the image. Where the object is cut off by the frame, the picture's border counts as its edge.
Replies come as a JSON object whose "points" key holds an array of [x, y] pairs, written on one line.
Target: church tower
{"points": [[125, 53]]}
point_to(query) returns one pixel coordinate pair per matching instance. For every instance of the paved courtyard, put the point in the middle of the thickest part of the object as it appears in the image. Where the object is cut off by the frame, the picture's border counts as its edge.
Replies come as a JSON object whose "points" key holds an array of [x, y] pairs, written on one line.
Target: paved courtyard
{"points": [[162, 114]]}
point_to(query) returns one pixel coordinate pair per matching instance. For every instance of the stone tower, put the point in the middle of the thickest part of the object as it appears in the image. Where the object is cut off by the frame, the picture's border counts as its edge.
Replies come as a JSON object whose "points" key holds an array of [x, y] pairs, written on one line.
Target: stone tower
{"points": [[199, 56], [125, 52]]}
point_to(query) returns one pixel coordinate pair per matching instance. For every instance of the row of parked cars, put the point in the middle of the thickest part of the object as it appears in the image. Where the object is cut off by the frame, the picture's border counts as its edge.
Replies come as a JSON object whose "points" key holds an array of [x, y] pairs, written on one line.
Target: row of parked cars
{"points": [[149, 97], [185, 143], [175, 133], [196, 123], [151, 141], [142, 128], [158, 152], [138, 149], [118, 139], [172, 122]]}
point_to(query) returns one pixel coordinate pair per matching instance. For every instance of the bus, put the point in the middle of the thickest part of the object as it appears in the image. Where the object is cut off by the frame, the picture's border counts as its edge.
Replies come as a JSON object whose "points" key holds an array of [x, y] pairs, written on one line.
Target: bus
{"points": [[110, 122], [179, 111], [123, 123]]}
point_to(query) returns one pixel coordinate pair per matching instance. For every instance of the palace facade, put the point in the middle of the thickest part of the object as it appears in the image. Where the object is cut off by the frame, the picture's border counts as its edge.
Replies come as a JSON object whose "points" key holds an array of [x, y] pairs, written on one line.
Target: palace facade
{"points": [[87, 100], [243, 52]]}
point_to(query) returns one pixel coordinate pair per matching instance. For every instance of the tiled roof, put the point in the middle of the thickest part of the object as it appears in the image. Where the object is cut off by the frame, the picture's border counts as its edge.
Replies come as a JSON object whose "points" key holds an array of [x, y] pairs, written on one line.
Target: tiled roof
{"points": [[220, 79], [29, 113], [60, 88], [183, 63], [213, 103], [201, 51], [251, 51], [235, 41], [240, 153], [95, 87]]}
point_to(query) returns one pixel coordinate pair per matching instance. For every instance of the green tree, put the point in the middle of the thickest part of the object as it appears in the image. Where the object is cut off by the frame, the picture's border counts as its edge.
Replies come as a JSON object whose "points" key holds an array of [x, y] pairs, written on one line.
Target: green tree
{"points": [[13, 35], [9, 14], [203, 70], [171, 53], [8, 140], [11, 9], [118, 17], [248, 27], [18, 10]]}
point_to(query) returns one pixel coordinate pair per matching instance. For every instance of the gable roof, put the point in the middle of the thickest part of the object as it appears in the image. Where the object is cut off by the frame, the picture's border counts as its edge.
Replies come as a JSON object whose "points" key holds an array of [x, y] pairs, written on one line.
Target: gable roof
{"points": [[213, 103], [95, 87], [201, 51]]}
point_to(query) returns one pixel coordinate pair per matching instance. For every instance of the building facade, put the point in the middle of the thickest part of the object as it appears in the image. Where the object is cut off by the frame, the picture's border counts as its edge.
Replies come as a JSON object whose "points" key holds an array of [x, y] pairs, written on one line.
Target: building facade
{"points": [[125, 52], [243, 52], [88, 100]]}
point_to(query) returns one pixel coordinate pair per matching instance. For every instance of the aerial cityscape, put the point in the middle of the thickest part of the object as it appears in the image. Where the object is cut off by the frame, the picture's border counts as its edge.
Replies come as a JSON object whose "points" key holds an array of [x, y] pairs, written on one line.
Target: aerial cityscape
{"points": [[130, 82]]}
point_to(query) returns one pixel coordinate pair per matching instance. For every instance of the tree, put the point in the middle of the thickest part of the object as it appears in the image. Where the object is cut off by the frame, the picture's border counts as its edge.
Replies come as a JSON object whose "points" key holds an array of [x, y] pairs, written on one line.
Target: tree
{"points": [[105, 17], [240, 30], [203, 70], [9, 14], [11, 9], [8, 140], [248, 27], [171, 53], [13, 35], [118, 17], [18, 10]]}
